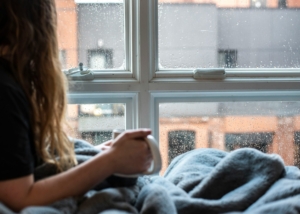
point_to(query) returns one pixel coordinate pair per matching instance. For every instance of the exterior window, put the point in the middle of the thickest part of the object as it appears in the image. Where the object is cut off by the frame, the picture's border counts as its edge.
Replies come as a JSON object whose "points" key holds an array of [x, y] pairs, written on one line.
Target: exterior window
{"points": [[297, 148], [259, 141], [227, 58], [63, 58], [101, 59], [282, 4], [96, 138], [258, 3], [101, 28], [180, 142]]}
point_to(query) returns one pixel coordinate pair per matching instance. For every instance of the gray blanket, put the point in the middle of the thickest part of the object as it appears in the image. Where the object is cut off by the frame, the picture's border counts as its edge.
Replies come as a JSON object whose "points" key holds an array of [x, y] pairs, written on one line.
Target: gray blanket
{"points": [[199, 181]]}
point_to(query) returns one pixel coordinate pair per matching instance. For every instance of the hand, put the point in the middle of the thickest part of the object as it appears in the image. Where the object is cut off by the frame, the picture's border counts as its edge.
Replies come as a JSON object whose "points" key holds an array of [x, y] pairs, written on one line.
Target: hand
{"points": [[131, 153], [104, 146]]}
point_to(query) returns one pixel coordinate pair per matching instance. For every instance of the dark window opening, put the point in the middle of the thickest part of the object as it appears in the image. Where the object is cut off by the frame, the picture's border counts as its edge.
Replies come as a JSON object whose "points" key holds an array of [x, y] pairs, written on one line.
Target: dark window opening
{"points": [[227, 58], [297, 149], [282, 4], [180, 142], [259, 141], [258, 3], [100, 58], [63, 58], [210, 139]]}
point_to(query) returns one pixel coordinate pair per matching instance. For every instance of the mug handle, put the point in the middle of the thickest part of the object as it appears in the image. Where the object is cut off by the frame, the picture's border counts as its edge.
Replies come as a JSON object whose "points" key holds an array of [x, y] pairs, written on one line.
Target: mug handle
{"points": [[155, 166]]}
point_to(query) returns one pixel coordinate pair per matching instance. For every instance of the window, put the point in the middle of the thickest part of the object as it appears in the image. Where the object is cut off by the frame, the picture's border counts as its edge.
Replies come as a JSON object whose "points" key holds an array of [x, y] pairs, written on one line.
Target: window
{"points": [[101, 33], [179, 143], [63, 58], [102, 59], [282, 3], [144, 55], [258, 3], [260, 141], [297, 148], [227, 58]]}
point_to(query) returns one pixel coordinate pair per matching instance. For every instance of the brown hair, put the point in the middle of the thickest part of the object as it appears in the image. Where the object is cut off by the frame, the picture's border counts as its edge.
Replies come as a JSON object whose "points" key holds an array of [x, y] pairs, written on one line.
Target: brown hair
{"points": [[28, 32]]}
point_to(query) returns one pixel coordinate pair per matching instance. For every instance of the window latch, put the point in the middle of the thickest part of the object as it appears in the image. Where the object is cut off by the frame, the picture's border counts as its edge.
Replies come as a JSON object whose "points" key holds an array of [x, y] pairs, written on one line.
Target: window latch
{"points": [[80, 73], [209, 73]]}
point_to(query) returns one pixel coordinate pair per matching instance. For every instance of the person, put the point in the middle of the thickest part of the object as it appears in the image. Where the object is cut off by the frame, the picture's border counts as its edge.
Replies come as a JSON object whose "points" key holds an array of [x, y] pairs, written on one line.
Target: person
{"points": [[33, 103]]}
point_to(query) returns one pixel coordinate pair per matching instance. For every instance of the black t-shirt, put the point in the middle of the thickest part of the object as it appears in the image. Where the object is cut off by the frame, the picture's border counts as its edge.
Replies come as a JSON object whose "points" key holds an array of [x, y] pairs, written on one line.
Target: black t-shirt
{"points": [[17, 149]]}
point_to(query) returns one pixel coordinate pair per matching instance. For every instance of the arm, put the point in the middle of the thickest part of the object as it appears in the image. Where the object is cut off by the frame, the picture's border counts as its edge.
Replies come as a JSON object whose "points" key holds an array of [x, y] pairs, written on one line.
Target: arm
{"points": [[127, 155]]}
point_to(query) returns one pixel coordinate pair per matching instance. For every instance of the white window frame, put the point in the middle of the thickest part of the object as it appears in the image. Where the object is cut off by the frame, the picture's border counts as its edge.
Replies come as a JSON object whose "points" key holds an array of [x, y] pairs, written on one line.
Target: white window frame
{"points": [[130, 71], [146, 86]]}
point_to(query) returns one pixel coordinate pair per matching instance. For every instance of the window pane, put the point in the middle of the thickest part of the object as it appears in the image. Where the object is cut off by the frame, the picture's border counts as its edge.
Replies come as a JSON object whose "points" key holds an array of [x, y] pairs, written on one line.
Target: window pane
{"points": [[91, 32], [95, 122], [230, 34], [271, 127]]}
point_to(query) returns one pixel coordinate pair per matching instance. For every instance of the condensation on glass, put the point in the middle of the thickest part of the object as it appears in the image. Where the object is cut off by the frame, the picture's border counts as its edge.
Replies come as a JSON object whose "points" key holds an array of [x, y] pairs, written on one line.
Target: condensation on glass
{"points": [[229, 34], [271, 127], [95, 122], [91, 33]]}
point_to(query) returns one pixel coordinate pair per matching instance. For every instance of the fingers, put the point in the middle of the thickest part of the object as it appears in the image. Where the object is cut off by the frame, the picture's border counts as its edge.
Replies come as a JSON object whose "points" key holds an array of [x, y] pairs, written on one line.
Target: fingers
{"points": [[108, 143], [104, 146], [132, 152], [134, 134]]}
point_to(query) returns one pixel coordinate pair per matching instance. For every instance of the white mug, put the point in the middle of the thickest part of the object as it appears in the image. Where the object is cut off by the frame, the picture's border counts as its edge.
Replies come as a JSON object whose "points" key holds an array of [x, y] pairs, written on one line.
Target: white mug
{"points": [[155, 166]]}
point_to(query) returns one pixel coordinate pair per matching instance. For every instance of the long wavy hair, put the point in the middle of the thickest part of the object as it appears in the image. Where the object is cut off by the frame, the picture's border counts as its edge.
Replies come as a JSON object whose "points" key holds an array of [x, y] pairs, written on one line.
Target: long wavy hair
{"points": [[28, 37]]}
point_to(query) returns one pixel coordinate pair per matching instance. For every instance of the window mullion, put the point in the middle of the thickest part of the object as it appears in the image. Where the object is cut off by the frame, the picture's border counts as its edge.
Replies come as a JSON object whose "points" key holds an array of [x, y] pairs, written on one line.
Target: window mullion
{"points": [[127, 33], [154, 24], [146, 61], [133, 37]]}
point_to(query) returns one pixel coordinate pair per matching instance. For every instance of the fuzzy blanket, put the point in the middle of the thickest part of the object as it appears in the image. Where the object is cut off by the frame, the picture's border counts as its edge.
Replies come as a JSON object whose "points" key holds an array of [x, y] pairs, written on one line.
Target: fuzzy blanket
{"points": [[199, 181]]}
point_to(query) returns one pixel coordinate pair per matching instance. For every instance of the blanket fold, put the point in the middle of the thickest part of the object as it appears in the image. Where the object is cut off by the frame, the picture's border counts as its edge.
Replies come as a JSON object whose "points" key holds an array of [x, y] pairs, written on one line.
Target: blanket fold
{"points": [[223, 182], [200, 181]]}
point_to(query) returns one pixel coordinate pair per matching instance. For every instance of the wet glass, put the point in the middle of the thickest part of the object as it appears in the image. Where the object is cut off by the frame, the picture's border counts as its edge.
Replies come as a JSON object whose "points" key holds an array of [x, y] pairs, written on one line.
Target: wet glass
{"points": [[91, 32], [95, 122], [228, 34], [271, 127]]}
